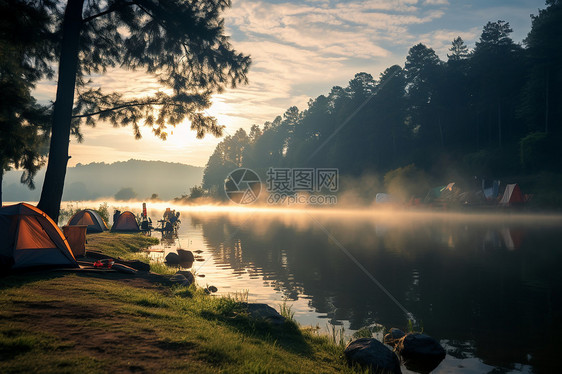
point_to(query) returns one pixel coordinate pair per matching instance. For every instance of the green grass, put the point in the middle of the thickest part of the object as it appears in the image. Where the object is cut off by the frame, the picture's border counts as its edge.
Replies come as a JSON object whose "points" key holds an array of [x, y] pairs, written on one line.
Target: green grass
{"points": [[118, 244], [127, 247], [64, 322]]}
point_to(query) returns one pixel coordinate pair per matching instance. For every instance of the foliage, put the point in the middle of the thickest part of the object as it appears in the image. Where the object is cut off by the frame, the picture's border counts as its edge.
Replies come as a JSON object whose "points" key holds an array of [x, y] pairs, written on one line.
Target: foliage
{"points": [[126, 193], [537, 150], [103, 211], [24, 125], [182, 45], [543, 87], [196, 192], [407, 182], [68, 211], [285, 311], [464, 113]]}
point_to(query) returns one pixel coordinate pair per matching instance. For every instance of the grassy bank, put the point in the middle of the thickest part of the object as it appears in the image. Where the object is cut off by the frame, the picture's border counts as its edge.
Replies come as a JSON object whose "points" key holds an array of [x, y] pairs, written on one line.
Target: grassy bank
{"points": [[68, 322]]}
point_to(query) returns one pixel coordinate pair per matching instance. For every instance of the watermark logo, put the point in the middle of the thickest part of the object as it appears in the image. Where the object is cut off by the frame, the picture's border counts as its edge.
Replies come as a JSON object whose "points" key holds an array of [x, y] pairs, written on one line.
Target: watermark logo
{"points": [[292, 180], [286, 186], [302, 186], [242, 186]]}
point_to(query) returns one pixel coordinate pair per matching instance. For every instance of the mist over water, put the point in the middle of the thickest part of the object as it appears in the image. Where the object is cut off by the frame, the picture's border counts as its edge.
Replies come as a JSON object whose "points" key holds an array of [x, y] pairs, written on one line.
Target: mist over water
{"points": [[487, 285]]}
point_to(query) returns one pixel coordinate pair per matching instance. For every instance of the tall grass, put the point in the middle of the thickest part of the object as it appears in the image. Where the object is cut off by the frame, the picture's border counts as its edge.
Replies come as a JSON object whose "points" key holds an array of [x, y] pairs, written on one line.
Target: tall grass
{"points": [[286, 311]]}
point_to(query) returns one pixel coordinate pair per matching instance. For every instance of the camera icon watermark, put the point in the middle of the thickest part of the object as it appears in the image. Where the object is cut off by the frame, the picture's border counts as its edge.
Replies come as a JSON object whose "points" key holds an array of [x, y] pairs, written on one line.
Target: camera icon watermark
{"points": [[286, 186], [242, 186]]}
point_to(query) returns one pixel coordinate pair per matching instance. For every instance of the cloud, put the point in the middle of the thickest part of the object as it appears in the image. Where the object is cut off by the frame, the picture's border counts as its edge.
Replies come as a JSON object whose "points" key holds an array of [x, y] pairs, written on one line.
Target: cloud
{"points": [[299, 51], [436, 2], [351, 29]]}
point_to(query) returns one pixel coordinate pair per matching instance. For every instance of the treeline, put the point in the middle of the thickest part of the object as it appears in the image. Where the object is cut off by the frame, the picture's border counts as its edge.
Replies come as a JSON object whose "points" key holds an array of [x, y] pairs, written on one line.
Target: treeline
{"points": [[495, 110]]}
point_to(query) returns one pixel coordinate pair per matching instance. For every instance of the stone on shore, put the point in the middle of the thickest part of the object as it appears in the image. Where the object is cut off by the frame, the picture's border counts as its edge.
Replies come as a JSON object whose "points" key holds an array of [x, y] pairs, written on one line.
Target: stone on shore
{"points": [[185, 255], [370, 353], [188, 275], [393, 336], [420, 352], [181, 279], [265, 312], [172, 258]]}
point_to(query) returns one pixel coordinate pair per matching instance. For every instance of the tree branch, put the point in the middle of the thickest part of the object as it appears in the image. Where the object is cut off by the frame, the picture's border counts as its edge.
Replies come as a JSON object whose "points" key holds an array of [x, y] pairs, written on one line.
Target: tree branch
{"points": [[111, 9], [128, 105]]}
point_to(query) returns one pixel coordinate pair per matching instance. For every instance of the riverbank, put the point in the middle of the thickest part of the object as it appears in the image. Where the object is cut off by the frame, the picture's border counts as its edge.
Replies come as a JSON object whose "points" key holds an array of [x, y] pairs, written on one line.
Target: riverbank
{"points": [[89, 322]]}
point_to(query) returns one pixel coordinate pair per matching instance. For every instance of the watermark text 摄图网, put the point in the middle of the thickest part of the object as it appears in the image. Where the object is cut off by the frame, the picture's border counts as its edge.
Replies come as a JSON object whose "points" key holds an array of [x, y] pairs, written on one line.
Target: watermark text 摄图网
{"points": [[305, 186], [293, 186]]}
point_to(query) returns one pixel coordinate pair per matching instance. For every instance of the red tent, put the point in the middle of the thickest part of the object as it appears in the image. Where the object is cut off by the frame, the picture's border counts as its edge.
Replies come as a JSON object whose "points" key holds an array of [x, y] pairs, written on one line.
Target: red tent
{"points": [[512, 196]]}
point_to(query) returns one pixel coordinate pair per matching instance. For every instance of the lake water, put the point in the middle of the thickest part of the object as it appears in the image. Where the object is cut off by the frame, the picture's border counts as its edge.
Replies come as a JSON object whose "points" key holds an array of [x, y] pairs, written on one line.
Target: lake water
{"points": [[488, 287]]}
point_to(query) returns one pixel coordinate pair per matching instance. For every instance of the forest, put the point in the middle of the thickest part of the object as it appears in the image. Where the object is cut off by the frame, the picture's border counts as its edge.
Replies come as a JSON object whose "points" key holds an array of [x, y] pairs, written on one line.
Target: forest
{"points": [[493, 111]]}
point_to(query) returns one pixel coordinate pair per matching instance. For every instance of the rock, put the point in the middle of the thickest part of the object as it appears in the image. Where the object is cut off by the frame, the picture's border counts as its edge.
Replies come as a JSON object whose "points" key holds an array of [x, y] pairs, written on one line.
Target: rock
{"points": [[180, 279], [185, 255], [420, 352], [213, 289], [369, 352], [393, 336], [188, 276], [172, 258], [265, 312]]}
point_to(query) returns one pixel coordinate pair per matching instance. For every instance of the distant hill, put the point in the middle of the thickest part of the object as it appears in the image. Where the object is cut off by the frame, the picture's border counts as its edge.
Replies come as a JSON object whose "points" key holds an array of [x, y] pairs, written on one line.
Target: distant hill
{"points": [[98, 180]]}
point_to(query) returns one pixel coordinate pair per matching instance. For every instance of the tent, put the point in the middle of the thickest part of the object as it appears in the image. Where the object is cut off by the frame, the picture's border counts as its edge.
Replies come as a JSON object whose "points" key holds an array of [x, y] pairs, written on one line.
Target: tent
{"points": [[384, 198], [512, 196], [126, 222], [491, 192], [433, 194], [90, 218], [30, 238]]}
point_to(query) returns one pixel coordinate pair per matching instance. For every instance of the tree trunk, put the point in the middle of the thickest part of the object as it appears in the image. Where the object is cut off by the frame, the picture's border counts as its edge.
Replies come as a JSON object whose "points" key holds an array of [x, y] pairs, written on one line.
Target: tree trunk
{"points": [[440, 131], [1, 180], [51, 194], [546, 101], [499, 124]]}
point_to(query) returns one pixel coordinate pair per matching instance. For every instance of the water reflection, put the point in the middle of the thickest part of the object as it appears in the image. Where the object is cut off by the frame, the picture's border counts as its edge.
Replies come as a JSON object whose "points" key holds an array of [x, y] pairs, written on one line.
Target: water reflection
{"points": [[490, 287]]}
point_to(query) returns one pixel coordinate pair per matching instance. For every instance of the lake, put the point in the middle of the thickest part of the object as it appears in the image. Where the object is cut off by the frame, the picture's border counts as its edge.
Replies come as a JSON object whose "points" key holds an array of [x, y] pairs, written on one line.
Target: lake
{"points": [[488, 286]]}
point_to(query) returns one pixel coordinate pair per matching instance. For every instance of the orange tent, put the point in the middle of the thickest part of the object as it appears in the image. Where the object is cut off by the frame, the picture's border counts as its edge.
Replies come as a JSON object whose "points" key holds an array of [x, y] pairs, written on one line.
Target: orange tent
{"points": [[126, 222], [90, 218], [30, 238]]}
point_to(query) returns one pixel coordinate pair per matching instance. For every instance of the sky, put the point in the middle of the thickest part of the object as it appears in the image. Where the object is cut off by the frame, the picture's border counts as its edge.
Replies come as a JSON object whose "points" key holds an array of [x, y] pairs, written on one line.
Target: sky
{"points": [[300, 50]]}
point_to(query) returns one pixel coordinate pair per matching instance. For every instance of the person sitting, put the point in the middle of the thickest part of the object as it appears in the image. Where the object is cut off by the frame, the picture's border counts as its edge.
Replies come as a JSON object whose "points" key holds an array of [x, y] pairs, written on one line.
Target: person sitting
{"points": [[116, 215]]}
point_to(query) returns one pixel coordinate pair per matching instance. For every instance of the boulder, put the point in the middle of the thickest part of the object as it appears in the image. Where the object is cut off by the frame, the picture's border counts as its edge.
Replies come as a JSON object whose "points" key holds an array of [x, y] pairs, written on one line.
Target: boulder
{"points": [[186, 265], [265, 312], [372, 354], [185, 255], [393, 336], [172, 258], [180, 279], [188, 276], [420, 352]]}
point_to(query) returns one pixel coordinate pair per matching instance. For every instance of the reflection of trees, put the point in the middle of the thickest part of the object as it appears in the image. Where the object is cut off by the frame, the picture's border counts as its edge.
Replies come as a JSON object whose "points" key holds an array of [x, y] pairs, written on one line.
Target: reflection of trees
{"points": [[462, 281]]}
